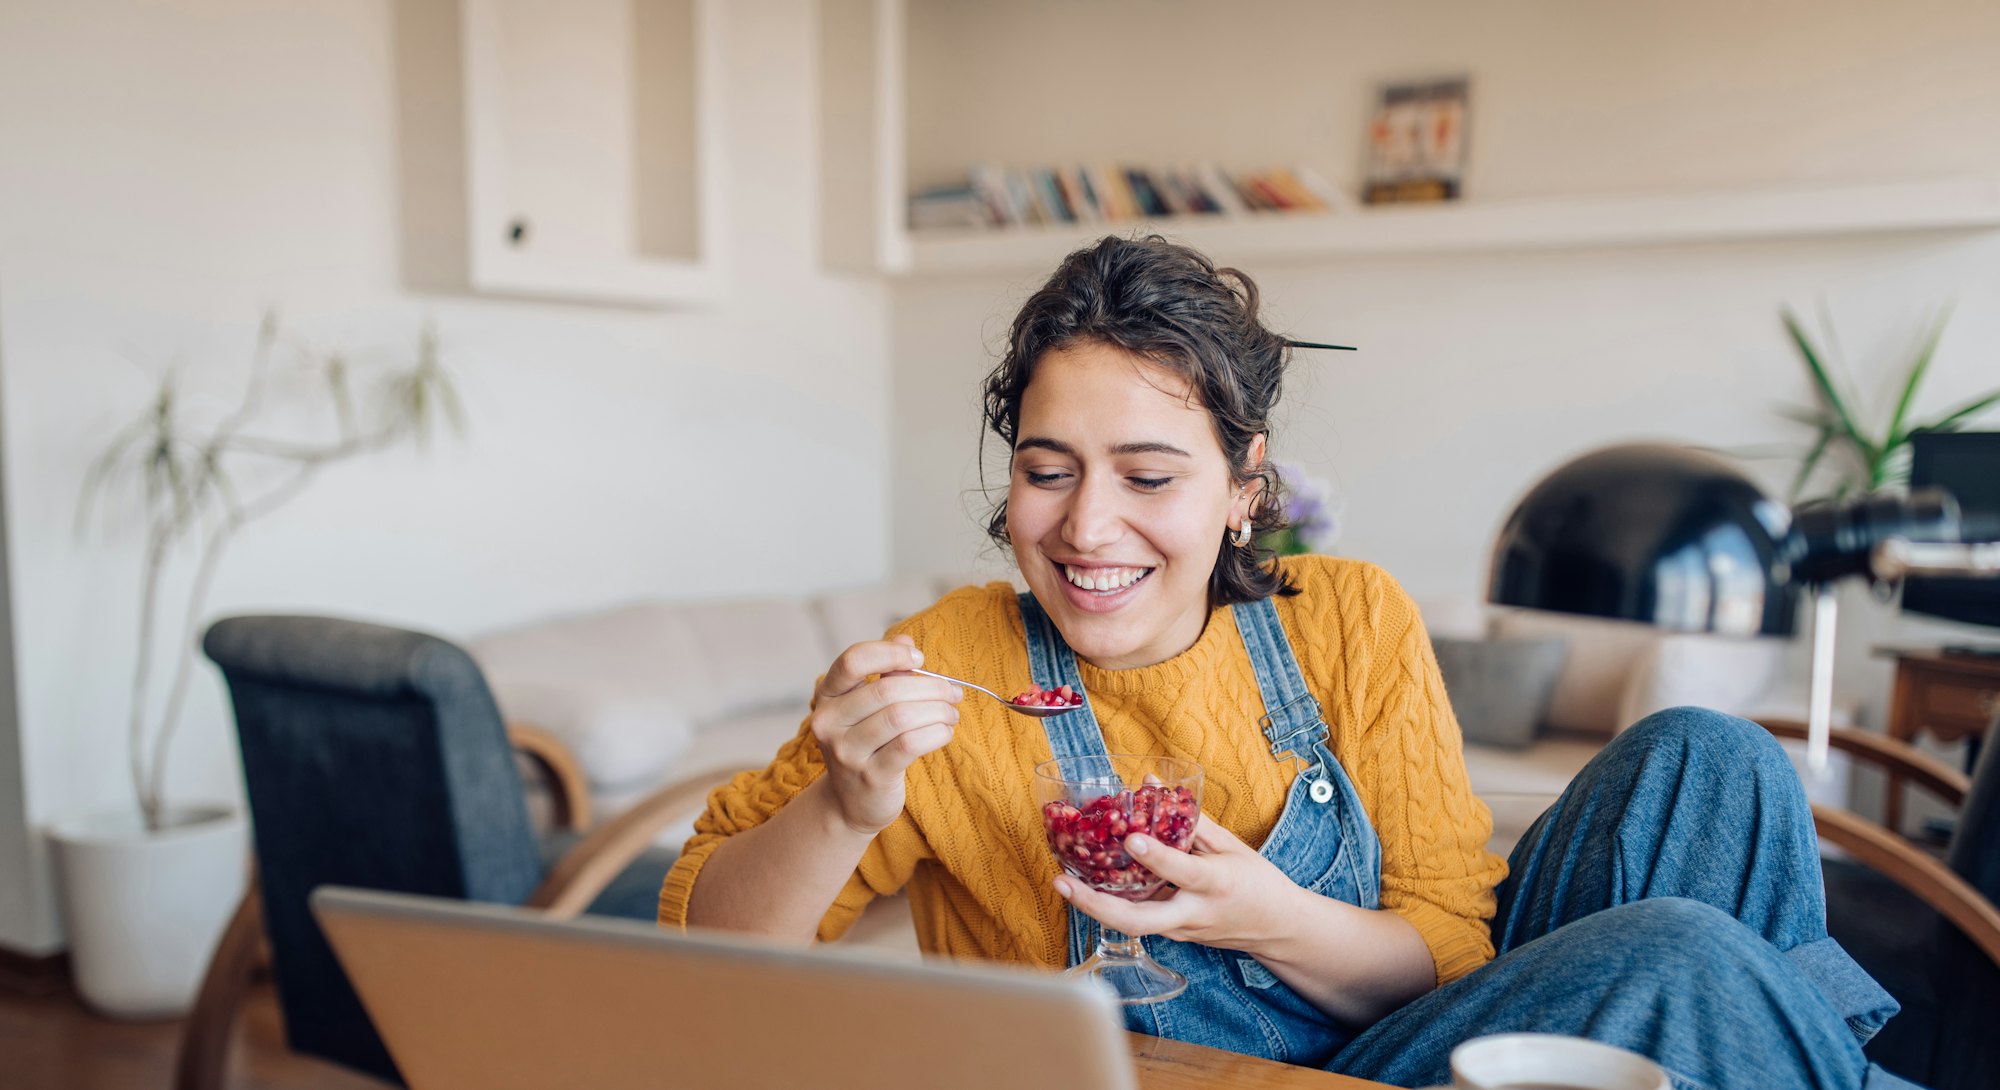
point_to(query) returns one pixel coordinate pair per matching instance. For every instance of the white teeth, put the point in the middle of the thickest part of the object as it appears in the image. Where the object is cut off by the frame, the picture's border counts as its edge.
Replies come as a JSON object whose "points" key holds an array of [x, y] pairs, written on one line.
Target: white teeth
{"points": [[1100, 579]]}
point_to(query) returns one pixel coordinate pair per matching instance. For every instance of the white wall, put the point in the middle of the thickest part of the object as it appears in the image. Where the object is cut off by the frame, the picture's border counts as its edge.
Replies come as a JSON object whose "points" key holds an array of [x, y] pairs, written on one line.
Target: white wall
{"points": [[1478, 373], [169, 168]]}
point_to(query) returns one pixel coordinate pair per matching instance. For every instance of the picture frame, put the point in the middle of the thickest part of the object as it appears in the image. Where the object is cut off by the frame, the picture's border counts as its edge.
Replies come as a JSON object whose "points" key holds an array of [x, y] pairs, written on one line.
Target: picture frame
{"points": [[1417, 141]]}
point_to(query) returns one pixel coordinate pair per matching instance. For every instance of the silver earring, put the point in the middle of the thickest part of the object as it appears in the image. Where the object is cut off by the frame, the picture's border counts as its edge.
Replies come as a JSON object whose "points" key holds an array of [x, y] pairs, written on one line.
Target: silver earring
{"points": [[1242, 537]]}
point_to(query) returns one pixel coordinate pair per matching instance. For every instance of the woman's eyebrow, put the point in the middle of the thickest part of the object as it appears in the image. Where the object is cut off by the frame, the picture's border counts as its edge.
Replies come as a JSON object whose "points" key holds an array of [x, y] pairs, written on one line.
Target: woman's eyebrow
{"points": [[1042, 442], [1150, 448]]}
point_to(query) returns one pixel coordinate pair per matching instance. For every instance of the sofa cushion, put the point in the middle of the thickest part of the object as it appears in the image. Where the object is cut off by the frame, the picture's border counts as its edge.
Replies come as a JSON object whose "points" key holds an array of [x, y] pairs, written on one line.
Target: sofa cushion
{"points": [[1499, 689], [620, 738], [1602, 656], [755, 655], [848, 617], [716, 753], [1518, 784], [649, 647], [1726, 673]]}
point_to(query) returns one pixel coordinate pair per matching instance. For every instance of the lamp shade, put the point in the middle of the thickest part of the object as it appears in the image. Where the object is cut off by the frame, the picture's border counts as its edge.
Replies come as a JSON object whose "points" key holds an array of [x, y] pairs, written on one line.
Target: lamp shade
{"points": [[1670, 536]]}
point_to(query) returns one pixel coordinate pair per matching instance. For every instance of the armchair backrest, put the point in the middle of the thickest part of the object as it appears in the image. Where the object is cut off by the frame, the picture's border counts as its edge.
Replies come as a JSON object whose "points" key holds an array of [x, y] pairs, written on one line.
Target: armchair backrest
{"points": [[1975, 845], [372, 757], [1967, 983]]}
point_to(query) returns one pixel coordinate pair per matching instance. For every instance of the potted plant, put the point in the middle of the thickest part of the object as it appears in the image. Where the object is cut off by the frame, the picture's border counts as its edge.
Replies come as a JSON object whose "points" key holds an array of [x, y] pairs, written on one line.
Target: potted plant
{"points": [[1859, 458], [147, 892], [1312, 513]]}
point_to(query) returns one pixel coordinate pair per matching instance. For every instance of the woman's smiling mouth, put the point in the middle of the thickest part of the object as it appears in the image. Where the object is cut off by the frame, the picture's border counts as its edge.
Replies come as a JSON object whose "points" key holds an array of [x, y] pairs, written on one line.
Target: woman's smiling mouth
{"points": [[1103, 580]]}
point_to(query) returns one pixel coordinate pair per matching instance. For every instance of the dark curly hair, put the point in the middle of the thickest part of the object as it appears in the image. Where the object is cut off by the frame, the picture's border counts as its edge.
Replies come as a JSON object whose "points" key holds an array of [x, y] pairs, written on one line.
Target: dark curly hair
{"points": [[1170, 305]]}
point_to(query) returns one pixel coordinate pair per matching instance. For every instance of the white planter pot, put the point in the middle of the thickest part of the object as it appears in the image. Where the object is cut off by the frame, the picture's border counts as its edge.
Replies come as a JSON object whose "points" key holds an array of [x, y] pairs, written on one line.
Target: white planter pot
{"points": [[145, 909]]}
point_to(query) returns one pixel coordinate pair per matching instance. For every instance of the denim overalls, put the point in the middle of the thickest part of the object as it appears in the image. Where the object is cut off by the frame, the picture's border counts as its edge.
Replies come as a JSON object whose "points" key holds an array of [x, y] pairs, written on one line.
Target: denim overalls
{"points": [[1322, 841]]}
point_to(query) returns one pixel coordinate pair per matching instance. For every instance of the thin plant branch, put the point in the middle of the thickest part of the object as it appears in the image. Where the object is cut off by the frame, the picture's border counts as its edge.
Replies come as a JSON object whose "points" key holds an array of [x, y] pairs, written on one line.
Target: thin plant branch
{"points": [[188, 493]]}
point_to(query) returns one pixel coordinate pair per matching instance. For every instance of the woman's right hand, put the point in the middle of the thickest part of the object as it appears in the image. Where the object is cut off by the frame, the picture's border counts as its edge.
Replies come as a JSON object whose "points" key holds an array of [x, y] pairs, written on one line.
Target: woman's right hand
{"points": [[871, 731]]}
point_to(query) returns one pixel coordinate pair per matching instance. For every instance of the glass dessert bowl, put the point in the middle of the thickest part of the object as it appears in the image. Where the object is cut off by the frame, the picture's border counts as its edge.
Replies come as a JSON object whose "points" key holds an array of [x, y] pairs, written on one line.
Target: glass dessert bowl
{"points": [[1089, 806]]}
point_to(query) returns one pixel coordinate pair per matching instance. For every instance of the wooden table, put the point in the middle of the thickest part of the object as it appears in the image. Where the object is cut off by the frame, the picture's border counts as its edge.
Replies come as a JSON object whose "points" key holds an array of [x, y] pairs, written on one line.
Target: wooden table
{"points": [[1177, 1065], [1949, 696]]}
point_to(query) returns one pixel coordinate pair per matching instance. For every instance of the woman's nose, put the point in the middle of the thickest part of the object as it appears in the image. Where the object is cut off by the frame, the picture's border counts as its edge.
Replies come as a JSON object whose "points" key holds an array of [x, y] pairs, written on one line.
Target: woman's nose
{"points": [[1093, 519]]}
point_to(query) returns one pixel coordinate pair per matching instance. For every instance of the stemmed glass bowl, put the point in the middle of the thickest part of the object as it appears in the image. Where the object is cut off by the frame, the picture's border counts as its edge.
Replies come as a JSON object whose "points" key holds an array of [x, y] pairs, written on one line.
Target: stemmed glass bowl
{"points": [[1089, 806]]}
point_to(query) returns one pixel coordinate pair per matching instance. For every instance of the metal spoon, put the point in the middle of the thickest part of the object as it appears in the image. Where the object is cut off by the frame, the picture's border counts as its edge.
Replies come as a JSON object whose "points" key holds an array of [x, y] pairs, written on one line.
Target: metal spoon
{"points": [[1025, 709]]}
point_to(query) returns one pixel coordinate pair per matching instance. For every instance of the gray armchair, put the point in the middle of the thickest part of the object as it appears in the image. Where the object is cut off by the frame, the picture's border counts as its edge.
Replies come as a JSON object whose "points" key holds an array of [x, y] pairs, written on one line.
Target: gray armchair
{"points": [[375, 757]]}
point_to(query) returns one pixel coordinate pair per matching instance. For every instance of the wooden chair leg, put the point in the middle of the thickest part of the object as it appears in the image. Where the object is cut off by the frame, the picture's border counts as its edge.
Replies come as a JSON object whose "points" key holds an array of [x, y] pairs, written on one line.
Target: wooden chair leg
{"points": [[204, 1055]]}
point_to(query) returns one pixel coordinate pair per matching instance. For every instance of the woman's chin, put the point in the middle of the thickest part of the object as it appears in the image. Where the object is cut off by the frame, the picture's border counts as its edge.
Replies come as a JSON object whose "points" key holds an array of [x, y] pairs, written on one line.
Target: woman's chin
{"points": [[1112, 643]]}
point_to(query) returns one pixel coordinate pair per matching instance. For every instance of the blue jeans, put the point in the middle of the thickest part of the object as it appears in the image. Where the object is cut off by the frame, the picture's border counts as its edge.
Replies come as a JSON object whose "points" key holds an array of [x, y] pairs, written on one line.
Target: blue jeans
{"points": [[1670, 902]]}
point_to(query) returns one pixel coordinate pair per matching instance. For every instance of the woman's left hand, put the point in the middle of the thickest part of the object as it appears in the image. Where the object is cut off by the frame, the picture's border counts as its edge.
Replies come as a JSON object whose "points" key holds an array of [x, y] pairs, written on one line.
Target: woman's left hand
{"points": [[1228, 895]]}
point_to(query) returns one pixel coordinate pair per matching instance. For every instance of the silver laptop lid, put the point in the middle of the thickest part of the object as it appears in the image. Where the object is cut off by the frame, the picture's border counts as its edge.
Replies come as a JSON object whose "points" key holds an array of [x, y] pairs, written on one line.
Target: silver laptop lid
{"points": [[482, 996]]}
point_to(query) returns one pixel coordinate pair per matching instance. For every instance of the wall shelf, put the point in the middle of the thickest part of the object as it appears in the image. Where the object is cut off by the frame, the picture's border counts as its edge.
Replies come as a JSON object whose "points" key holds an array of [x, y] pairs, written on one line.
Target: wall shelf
{"points": [[1584, 222], [865, 189]]}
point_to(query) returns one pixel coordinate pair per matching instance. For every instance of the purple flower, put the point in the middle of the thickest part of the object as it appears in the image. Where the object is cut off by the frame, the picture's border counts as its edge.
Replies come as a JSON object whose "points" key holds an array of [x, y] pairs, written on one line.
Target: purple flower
{"points": [[1311, 507]]}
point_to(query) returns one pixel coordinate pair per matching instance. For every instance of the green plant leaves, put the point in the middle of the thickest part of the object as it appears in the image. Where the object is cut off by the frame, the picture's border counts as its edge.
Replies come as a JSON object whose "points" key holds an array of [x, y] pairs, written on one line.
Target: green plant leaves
{"points": [[1958, 417], [1829, 394], [1826, 434], [1878, 461], [1918, 368]]}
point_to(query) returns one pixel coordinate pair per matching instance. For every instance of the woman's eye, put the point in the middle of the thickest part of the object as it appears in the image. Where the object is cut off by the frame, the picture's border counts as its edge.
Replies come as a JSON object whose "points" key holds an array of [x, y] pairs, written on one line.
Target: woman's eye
{"points": [[1043, 478], [1151, 483]]}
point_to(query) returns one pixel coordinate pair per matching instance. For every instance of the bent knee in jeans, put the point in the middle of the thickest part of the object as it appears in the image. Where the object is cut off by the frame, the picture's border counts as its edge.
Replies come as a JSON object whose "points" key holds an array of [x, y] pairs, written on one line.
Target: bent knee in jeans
{"points": [[1707, 731]]}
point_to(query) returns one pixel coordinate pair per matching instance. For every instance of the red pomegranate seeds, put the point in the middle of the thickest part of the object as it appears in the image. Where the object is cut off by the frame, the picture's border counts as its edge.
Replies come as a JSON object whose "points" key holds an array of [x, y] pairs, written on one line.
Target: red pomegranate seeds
{"points": [[1038, 697], [1090, 841]]}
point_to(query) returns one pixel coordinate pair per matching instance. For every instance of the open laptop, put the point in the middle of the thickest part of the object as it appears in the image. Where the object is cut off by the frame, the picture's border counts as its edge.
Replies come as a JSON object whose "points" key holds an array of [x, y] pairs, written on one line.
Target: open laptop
{"points": [[483, 996]]}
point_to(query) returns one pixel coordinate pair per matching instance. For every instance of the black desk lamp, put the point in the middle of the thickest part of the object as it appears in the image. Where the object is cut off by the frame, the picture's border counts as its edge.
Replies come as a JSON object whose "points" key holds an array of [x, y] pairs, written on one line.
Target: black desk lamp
{"points": [[1676, 537]]}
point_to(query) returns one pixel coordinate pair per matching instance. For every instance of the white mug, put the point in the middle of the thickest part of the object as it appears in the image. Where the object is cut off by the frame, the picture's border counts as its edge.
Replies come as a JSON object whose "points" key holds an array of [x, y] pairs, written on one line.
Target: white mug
{"points": [[1535, 1061]]}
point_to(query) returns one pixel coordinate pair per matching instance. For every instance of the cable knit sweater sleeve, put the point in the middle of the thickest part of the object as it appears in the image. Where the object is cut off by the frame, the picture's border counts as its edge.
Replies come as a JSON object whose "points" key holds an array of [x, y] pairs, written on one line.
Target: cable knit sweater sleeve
{"points": [[1408, 763], [751, 798]]}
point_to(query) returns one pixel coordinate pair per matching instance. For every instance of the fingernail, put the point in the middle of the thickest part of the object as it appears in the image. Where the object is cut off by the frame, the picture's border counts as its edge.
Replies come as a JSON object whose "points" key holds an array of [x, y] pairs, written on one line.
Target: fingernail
{"points": [[1138, 844], [1062, 889], [916, 657]]}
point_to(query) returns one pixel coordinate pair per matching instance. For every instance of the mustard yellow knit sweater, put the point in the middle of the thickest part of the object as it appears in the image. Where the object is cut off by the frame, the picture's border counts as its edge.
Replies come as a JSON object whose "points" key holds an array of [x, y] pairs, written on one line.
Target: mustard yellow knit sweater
{"points": [[969, 844]]}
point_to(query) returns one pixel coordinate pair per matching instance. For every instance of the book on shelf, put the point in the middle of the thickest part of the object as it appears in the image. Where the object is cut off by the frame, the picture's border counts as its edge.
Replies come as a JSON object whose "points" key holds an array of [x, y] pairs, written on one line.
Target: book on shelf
{"points": [[1217, 186], [1021, 198], [949, 208], [1114, 194], [1005, 197], [1082, 203], [1296, 195], [1049, 198], [1150, 204]]}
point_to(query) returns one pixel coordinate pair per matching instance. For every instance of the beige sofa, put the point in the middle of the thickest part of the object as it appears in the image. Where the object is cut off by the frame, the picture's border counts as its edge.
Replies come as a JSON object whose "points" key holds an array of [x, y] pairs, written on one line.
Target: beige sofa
{"points": [[657, 692]]}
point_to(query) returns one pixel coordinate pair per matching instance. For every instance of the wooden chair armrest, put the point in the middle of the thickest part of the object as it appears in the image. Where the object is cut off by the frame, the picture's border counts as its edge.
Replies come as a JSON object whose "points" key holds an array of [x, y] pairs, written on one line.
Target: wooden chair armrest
{"points": [[583, 871], [203, 1062], [571, 793], [1940, 779], [1936, 884]]}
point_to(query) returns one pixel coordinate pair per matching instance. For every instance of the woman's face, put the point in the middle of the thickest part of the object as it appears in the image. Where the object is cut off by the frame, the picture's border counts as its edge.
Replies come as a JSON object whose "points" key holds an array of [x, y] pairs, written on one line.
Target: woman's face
{"points": [[1119, 499]]}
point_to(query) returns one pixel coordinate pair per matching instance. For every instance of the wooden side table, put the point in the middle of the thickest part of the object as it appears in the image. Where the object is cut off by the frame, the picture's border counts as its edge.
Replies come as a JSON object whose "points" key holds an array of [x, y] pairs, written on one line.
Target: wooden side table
{"points": [[1949, 696]]}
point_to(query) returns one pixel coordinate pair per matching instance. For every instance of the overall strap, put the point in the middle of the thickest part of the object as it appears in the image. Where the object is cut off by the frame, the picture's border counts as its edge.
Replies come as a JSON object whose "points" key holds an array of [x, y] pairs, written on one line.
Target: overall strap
{"points": [[1292, 723], [1073, 734]]}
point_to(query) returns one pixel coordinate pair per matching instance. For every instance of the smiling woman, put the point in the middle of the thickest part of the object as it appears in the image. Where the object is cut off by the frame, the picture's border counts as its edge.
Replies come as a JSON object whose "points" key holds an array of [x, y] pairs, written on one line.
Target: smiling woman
{"points": [[1186, 332], [1119, 500], [1335, 905]]}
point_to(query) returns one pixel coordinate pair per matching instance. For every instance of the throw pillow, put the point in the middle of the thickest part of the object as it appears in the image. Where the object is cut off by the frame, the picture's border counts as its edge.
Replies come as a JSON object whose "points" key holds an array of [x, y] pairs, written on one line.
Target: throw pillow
{"points": [[1500, 689]]}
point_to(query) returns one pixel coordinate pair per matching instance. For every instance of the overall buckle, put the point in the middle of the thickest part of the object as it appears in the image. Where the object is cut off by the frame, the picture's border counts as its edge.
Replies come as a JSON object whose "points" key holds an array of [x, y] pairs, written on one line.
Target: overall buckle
{"points": [[1308, 732]]}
